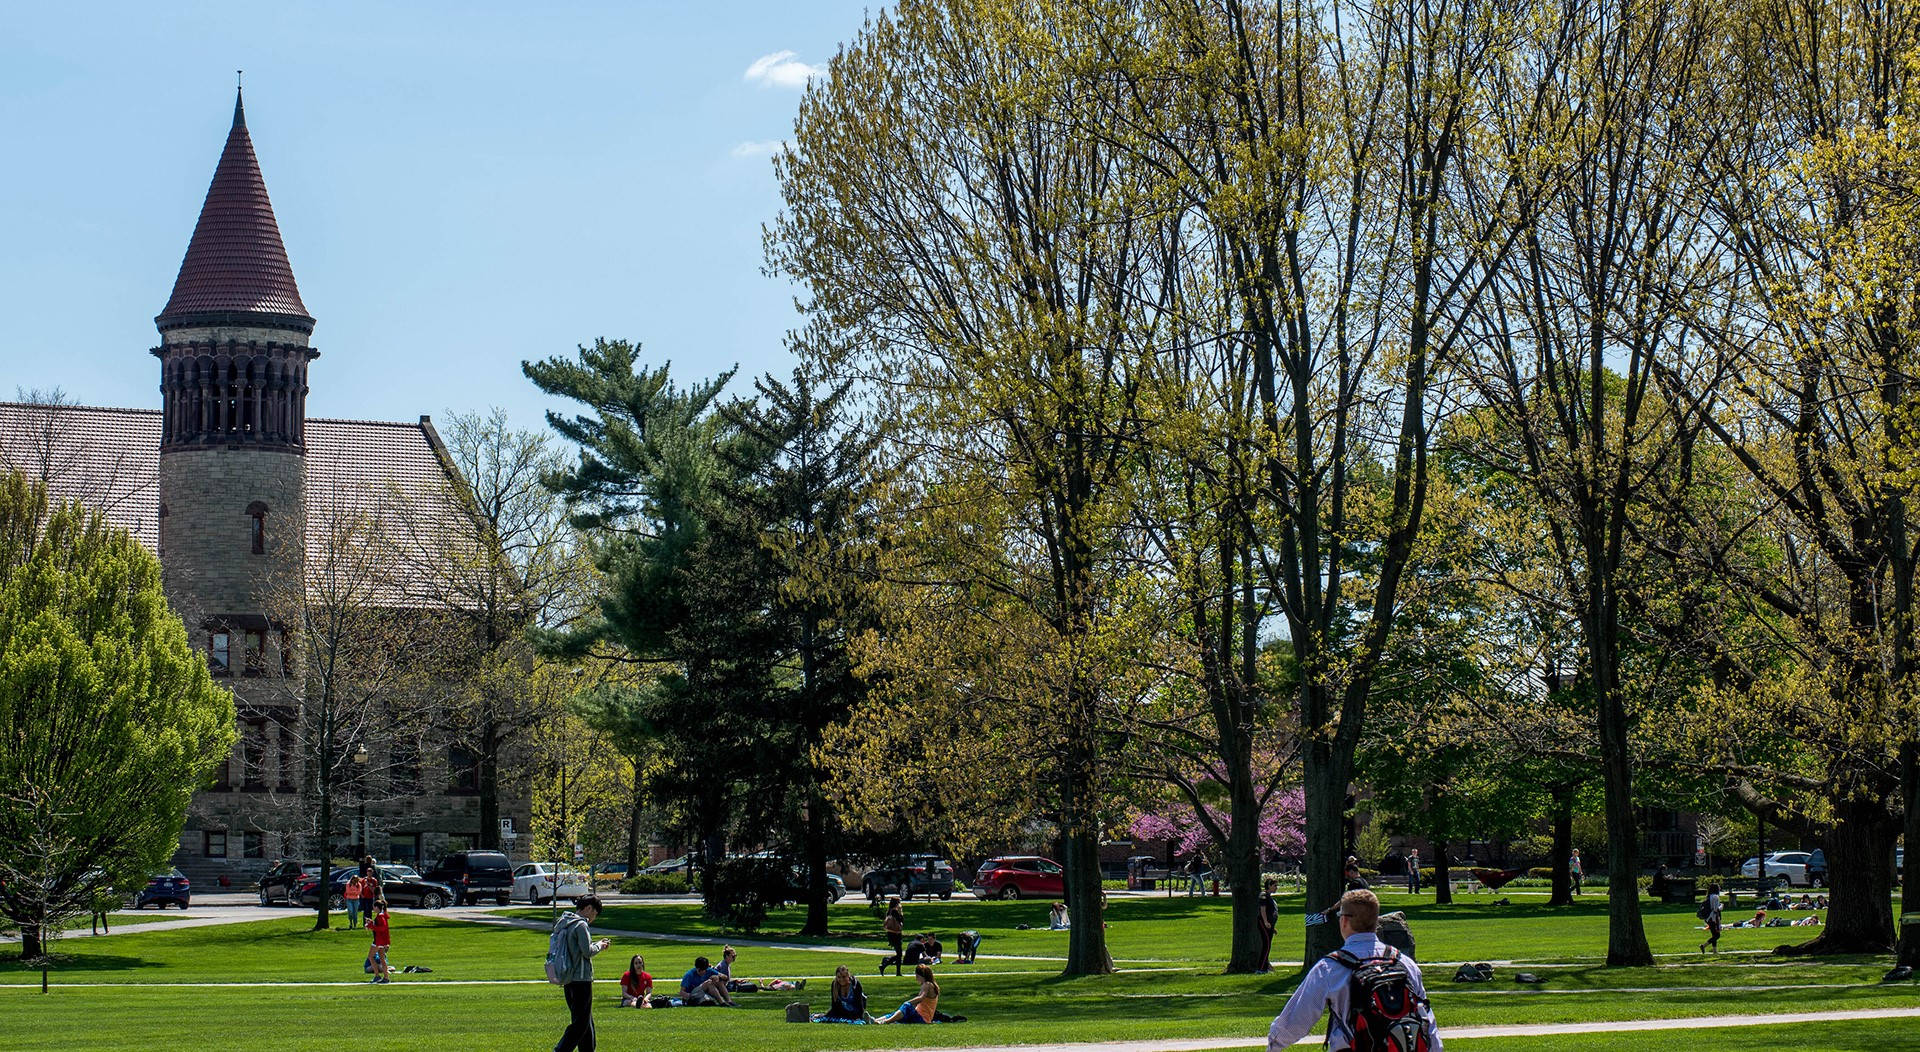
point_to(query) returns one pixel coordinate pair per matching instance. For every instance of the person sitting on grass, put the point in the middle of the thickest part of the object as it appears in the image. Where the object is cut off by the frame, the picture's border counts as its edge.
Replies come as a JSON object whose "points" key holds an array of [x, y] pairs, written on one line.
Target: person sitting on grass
{"points": [[728, 955], [848, 1002], [704, 985], [924, 949], [636, 986], [918, 1009], [1326, 987], [1057, 919]]}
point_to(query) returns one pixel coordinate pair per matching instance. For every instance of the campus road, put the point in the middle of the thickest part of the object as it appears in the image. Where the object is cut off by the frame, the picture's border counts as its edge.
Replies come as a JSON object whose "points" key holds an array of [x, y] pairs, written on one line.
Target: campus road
{"points": [[1705, 1022]]}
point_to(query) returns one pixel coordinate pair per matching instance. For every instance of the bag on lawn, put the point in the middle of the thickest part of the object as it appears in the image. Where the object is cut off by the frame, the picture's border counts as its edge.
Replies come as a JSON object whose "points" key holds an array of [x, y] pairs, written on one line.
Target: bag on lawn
{"points": [[1383, 1014], [799, 1012], [557, 963]]}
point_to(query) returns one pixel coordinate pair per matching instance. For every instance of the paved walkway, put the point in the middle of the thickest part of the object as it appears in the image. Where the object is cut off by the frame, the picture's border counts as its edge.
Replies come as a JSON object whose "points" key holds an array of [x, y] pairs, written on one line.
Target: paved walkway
{"points": [[1705, 1022]]}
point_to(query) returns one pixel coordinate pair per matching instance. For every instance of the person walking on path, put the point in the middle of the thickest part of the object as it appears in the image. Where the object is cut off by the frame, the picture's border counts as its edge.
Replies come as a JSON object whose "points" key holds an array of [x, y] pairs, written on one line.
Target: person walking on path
{"points": [[895, 924], [1327, 986], [1196, 877], [1413, 871], [382, 942], [1574, 873], [1710, 912], [576, 976], [1269, 920]]}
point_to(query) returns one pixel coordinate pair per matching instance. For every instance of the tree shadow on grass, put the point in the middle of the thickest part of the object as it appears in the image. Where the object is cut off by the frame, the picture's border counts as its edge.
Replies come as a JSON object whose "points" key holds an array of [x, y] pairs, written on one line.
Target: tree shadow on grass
{"points": [[12, 969]]}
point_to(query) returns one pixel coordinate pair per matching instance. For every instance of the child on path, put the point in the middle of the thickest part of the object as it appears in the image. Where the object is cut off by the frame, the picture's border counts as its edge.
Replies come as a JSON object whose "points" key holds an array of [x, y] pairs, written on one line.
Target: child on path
{"points": [[382, 942], [636, 986]]}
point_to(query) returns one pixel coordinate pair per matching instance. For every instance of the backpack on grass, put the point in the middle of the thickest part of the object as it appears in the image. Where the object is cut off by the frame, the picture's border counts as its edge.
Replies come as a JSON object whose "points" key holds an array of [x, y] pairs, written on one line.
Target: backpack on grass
{"points": [[1383, 1014]]}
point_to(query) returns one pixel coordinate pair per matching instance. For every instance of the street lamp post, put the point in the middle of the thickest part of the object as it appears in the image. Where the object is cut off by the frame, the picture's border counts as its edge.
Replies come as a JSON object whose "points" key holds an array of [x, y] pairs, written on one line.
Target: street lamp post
{"points": [[360, 778]]}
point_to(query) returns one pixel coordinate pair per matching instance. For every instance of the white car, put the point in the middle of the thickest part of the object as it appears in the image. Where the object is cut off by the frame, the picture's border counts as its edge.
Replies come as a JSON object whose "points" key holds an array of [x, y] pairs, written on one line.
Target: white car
{"points": [[1789, 864], [539, 882]]}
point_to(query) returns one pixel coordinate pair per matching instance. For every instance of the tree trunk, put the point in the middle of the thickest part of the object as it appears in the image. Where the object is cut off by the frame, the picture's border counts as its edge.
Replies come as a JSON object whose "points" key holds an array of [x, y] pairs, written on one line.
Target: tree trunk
{"points": [[1243, 869], [1910, 902], [1326, 766], [322, 918], [633, 825], [1562, 846], [33, 942], [1442, 874], [489, 785], [1626, 932], [1860, 914], [1080, 814], [816, 863]]}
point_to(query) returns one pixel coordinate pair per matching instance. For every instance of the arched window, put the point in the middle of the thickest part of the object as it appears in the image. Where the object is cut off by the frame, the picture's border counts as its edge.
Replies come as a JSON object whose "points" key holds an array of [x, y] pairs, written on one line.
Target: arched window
{"points": [[257, 527]]}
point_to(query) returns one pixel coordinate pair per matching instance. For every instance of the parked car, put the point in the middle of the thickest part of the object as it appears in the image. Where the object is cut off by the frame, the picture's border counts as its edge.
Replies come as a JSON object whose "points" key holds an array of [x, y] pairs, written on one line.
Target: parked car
{"points": [[1789, 864], [672, 865], [1019, 876], [169, 888], [797, 887], [282, 882], [539, 882], [910, 876], [608, 875], [475, 875], [400, 885]]}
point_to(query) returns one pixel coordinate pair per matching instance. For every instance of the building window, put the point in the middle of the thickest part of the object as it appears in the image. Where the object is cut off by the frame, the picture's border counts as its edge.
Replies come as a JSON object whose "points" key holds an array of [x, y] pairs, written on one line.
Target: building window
{"points": [[217, 655], [463, 770], [404, 847], [222, 779], [257, 527], [288, 757], [215, 843], [256, 651], [286, 653], [254, 758], [251, 847]]}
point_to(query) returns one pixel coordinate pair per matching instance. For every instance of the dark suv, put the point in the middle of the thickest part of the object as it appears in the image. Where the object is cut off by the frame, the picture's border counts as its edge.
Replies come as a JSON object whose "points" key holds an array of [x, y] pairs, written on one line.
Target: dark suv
{"points": [[475, 875], [282, 882], [913, 875]]}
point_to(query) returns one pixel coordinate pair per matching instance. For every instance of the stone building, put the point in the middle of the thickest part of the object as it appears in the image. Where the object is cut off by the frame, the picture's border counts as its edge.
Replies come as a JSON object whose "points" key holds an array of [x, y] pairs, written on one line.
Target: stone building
{"points": [[241, 495]]}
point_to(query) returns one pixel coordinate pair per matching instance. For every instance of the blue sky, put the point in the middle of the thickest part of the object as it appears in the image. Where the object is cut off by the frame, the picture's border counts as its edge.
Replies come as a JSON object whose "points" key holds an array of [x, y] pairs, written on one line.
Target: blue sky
{"points": [[460, 187]]}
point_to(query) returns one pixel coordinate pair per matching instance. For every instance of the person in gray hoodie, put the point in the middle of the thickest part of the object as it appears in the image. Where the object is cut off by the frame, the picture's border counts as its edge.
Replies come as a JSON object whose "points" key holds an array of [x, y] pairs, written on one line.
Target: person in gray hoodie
{"points": [[577, 977]]}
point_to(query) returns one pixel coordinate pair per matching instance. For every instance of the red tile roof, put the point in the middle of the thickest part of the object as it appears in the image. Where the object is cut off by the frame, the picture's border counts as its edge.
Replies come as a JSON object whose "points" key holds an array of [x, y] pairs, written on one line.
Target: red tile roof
{"points": [[236, 262], [109, 459]]}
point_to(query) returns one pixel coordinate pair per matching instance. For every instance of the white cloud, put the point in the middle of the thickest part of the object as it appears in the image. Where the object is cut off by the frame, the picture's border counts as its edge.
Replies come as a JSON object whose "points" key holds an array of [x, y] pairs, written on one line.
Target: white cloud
{"points": [[781, 69], [758, 148]]}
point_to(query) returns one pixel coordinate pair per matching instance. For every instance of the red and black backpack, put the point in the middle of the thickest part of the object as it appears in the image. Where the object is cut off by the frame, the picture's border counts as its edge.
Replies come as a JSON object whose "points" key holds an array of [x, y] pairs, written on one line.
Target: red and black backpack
{"points": [[1383, 1013]]}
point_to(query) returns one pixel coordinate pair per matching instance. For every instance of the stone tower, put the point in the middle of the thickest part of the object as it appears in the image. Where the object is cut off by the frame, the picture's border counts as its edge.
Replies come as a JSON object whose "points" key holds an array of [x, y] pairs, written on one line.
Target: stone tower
{"points": [[233, 378]]}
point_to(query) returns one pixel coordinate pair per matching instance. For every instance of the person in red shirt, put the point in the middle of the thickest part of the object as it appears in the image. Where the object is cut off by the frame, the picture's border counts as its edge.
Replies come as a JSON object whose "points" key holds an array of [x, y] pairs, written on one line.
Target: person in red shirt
{"points": [[636, 986], [382, 942]]}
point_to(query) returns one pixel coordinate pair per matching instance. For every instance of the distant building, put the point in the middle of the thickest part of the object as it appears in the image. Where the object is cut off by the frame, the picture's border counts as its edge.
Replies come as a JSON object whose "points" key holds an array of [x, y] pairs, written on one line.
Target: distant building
{"points": [[235, 489]]}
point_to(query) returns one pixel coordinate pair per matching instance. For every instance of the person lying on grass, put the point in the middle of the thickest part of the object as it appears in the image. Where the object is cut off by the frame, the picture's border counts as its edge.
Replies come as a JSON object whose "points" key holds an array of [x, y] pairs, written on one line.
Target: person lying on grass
{"points": [[918, 1009], [704, 985], [738, 985], [636, 986]]}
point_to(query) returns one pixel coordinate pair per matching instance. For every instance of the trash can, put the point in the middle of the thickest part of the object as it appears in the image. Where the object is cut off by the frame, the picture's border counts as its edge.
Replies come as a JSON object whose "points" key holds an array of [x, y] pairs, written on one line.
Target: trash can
{"points": [[1680, 889]]}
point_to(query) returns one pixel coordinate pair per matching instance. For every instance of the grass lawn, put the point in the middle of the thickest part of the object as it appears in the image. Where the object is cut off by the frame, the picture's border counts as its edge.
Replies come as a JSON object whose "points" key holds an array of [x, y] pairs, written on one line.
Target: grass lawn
{"points": [[484, 991]]}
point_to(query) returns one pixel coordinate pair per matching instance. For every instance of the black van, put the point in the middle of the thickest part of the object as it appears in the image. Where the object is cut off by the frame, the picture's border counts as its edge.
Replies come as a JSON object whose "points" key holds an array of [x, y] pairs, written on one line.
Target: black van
{"points": [[475, 875]]}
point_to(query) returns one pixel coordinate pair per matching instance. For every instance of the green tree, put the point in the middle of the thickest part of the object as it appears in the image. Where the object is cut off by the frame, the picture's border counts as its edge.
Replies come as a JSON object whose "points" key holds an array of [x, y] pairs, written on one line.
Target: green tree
{"points": [[112, 719]]}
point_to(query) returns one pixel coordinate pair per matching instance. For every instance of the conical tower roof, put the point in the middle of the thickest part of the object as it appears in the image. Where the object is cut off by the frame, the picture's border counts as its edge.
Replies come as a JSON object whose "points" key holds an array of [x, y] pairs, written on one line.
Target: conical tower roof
{"points": [[236, 265]]}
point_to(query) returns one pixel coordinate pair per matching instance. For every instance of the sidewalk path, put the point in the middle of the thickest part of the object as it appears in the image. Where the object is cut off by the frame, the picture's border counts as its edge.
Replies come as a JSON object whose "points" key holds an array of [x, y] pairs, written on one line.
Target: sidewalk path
{"points": [[1705, 1022]]}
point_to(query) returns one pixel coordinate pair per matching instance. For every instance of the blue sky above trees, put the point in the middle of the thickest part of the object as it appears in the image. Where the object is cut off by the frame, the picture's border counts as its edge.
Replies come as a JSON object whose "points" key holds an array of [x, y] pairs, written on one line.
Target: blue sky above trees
{"points": [[459, 187]]}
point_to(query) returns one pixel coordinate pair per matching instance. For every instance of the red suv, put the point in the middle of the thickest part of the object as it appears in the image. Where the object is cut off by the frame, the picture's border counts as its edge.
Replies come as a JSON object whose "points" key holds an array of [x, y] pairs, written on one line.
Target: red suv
{"points": [[1019, 876]]}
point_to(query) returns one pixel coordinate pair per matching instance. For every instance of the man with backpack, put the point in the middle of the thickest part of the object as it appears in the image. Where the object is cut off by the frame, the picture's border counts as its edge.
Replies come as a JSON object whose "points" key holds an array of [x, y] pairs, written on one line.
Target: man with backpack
{"points": [[1371, 992], [570, 952]]}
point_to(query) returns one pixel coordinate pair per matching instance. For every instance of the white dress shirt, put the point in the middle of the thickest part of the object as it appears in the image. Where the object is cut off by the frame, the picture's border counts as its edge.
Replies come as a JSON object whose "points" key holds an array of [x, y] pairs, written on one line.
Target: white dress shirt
{"points": [[1325, 990]]}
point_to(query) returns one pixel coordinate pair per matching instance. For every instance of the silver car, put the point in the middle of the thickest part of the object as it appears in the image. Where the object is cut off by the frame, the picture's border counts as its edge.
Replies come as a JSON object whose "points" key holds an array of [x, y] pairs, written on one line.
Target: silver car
{"points": [[538, 882]]}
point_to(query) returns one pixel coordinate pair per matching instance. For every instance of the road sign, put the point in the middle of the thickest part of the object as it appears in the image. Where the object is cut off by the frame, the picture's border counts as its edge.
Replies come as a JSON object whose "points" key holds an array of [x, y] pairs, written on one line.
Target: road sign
{"points": [[506, 828], [579, 852]]}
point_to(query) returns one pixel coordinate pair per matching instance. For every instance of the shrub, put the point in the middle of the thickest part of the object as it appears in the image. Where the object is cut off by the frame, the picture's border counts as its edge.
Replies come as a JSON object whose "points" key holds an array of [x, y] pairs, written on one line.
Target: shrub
{"points": [[743, 889], [655, 884], [1541, 872], [1105, 885]]}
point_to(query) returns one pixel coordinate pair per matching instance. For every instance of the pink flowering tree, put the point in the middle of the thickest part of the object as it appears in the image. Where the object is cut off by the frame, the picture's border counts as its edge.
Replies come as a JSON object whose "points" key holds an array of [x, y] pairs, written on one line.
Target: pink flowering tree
{"points": [[1282, 827]]}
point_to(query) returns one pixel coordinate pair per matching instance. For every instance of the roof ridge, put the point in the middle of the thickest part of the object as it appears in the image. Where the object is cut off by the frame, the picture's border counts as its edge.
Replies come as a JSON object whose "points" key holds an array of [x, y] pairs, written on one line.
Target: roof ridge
{"points": [[6, 404], [413, 424]]}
